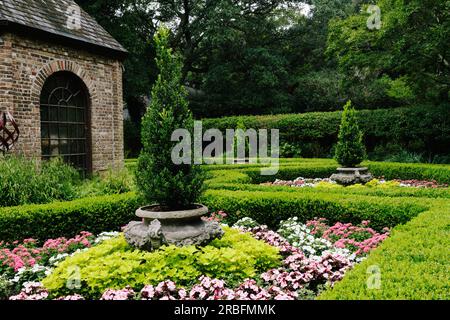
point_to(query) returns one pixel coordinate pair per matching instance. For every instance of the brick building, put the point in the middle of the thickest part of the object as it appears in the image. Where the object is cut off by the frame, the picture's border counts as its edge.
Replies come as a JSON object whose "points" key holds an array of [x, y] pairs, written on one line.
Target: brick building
{"points": [[61, 78]]}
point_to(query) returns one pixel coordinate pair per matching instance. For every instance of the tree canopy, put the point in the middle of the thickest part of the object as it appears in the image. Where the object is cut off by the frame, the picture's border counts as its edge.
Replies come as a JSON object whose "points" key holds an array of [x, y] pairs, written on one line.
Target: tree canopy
{"points": [[273, 56]]}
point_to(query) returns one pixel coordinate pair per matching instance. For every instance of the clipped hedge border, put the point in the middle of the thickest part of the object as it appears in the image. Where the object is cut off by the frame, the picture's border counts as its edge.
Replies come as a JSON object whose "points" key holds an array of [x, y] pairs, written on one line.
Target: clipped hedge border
{"points": [[272, 207], [66, 219], [406, 171], [324, 168], [413, 263]]}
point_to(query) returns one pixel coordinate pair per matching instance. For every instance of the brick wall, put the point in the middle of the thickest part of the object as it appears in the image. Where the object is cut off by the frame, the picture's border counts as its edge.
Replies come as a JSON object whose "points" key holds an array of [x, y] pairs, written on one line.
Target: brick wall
{"points": [[26, 63]]}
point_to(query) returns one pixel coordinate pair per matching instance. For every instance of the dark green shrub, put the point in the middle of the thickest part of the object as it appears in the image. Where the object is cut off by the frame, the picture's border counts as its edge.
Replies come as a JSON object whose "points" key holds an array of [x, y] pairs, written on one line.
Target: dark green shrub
{"points": [[58, 219], [24, 181], [131, 138], [241, 141], [405, 157], [441, 159], [350, 149], [288, 150], [114, 264], [176, 186]]}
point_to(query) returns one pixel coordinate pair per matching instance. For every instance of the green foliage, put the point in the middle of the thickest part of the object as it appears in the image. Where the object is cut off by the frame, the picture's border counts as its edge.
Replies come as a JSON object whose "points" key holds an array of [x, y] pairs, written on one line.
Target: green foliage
{"points": [[160, 180], [318, 91], [133, 28], [114, 264], [413, 263], [67, 219], [420, 129], [241, 141], [111, 182], [23, 181], [440, 173], [441, 159], [227, 176], [6, 289], [288, 150], [410, 50], [405, 157], [131, 139], [265, 57], [350, 149]]}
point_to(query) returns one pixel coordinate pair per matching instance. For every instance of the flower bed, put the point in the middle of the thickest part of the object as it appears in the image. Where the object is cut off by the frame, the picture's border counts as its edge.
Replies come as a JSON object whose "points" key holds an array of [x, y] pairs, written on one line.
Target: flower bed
{"points": [[24, 263], [314, 256], [301, 182]]}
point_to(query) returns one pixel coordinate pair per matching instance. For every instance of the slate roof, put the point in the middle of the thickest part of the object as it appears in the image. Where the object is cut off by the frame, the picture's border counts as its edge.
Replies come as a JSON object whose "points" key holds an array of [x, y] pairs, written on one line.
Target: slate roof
{"points": [[50, 17]]}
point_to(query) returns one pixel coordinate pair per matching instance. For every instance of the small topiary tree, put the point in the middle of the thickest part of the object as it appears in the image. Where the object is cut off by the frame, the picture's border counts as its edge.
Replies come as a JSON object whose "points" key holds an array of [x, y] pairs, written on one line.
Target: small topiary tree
{"points": [[159, 180], [350, 149]]}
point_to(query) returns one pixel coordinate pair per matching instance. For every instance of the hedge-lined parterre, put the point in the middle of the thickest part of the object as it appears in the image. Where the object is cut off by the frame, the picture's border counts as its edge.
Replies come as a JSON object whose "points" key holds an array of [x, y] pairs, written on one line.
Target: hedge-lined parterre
{"points": [[413, 263]]}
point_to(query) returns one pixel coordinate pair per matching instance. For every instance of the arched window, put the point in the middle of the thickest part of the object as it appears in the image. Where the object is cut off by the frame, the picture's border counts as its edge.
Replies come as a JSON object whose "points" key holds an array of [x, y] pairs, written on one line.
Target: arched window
{"points": [[65, 120]]}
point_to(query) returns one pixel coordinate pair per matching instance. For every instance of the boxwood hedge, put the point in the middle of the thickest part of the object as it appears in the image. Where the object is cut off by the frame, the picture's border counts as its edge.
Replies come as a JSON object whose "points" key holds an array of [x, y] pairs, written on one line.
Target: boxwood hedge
{"points": [[413, 261], [420, 129], [272, 207], [57, 219]]}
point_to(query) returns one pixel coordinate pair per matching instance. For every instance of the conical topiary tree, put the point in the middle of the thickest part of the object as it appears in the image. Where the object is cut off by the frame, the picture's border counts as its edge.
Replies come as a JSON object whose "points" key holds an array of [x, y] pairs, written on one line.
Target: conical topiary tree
{"points": [[350, 149], [159, 180]]}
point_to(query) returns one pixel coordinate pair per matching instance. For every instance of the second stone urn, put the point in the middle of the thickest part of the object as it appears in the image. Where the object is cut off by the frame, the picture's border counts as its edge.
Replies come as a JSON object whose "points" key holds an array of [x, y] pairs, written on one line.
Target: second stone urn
{"points": [[179, 228], [349, 176]]}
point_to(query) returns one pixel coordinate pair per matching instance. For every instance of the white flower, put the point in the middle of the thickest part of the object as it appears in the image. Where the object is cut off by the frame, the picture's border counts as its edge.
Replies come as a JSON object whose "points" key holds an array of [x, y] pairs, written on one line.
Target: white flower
{"points": [[106, 236]]}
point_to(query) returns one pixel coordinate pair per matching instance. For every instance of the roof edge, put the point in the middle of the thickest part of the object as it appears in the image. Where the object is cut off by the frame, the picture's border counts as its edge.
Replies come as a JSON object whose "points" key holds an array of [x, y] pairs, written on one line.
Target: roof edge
{"points": [[62, 38]]}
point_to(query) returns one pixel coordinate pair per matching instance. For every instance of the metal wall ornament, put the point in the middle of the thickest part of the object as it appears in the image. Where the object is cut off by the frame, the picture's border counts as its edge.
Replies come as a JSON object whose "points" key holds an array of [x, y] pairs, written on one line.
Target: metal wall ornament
{"points": [[9, 131]]}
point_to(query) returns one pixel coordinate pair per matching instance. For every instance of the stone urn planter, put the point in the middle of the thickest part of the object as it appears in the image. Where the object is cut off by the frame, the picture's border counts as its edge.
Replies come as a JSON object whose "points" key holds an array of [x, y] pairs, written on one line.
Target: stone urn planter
{"points": [[179, 228], [349, 176]]}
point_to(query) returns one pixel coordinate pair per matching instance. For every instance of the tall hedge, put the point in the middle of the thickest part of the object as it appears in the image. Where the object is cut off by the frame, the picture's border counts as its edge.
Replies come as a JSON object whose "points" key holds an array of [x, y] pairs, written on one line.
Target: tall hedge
{"points": [[420, 129]]}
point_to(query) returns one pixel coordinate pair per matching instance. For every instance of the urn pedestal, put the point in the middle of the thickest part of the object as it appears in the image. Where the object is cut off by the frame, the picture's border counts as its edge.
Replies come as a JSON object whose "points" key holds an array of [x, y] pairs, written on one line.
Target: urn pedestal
{"points": [[349, 176], [179, 228]]}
